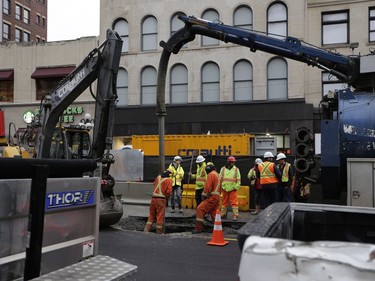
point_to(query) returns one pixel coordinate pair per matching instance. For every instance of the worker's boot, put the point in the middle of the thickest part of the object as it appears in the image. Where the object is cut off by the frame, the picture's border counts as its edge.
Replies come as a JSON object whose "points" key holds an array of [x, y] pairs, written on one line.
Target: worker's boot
{"points": [[159, 229], [235, 213], [148, 227], [257, 210], [172, 210], [223, 213], [198, 227], [180, 209]]}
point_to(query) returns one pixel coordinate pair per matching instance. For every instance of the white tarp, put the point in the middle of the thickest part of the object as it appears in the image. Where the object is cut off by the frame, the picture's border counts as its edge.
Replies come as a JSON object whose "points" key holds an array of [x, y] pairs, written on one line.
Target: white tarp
{"points": [[289, 260]]}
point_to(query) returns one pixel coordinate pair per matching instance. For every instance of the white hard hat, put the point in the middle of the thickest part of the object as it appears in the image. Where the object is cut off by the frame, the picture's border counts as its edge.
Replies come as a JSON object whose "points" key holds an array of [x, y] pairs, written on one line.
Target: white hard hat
{"points": [[200, 159], [268, 154], [280, 156], [176, 158], [258, 161]]}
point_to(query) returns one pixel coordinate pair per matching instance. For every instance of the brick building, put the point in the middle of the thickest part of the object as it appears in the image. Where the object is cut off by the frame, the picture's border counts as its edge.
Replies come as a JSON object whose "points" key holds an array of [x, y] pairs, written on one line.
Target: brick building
{"points": [[24, 20]]}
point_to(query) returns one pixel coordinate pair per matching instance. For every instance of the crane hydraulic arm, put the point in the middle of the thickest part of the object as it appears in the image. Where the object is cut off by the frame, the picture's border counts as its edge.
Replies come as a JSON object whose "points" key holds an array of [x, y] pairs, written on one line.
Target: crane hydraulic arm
{"points": [[102, 64], [346, 68]]}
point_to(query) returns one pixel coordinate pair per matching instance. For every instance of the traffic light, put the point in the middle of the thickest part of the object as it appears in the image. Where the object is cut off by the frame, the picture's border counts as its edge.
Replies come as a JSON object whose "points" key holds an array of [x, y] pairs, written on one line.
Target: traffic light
{"points": [[304, 150]]}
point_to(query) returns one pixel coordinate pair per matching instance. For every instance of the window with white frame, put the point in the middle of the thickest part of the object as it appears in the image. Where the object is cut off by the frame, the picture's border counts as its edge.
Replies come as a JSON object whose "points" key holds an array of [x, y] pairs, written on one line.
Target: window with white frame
{"points": [[210, 15], [26, 16], [277, 79], [243, 81], [149, 34], [122, 28], [6, 31], [18, 34], [371, 24], [18, 12], [335, 27], [122, 87], [179, 84], [243, 17], [277, 19], [210, 82], [331, 83], [26, 36], [148, 86], [177, 24], [6, 7]]}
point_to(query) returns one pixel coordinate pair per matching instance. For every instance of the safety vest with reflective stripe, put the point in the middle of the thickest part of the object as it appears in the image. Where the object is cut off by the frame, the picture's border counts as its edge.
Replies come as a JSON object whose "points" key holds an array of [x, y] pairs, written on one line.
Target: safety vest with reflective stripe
{"points": [[267, 173], [158, 192], [177, 174], [216, 191], [285, 174], [230, 178], [201, 176]]}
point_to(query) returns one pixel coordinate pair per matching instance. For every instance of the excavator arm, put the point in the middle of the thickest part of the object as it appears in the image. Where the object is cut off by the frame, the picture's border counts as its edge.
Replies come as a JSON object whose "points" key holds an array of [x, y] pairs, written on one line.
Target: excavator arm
{"points": [[102, 65]]}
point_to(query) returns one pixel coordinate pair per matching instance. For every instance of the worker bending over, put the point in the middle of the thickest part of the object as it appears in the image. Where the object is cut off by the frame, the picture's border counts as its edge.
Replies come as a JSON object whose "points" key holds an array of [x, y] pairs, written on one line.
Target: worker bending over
{"points": [[162, 191], [210, 198]]}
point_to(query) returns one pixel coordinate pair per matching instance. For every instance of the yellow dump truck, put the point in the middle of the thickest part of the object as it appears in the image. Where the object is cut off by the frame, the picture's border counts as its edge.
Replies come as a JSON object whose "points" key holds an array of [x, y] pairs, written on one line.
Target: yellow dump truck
{"points": [[188, 145]]}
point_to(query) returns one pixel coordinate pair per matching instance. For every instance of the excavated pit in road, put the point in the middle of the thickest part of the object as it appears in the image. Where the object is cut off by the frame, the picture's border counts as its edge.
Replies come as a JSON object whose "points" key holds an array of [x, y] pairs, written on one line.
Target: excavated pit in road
{"points": [[178, 225]]}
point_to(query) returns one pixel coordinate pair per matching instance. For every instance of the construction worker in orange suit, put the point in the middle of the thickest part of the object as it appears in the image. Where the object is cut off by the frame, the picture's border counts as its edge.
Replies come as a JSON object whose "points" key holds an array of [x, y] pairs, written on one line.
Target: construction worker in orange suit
{"points": [[162, 190], [210, 198], [270, 176], [230, 179]]}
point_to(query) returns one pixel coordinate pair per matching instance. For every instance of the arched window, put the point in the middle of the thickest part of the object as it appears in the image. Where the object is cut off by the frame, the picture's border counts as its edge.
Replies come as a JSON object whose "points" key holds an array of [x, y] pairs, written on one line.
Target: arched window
{"points": [[122, 28], [176, 23], [243, 81], [149, 34], [243, 17], [122, 87], [148, 85], [277, 19], [277, 75], [179, 84], [210, 15], [210, 82]]}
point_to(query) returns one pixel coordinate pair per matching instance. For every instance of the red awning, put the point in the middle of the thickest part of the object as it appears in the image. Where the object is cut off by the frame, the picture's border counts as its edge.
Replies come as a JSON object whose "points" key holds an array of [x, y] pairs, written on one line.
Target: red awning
{"points": [[50, 72], [6, 75]]}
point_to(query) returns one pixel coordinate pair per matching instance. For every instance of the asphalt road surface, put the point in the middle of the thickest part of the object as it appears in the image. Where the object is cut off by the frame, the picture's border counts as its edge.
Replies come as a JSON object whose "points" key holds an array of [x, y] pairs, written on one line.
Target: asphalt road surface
{"points": [[172, 257]]}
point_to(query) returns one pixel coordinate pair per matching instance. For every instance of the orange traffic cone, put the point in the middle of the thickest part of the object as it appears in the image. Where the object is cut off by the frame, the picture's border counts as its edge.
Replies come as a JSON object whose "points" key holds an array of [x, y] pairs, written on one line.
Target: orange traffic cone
{"points": [[217, 234]]}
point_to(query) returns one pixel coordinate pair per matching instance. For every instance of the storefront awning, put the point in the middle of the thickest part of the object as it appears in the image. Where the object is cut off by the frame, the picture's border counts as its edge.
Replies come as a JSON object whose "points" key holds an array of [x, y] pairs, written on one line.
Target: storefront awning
{"points": [[51, 72], [6, 75]]}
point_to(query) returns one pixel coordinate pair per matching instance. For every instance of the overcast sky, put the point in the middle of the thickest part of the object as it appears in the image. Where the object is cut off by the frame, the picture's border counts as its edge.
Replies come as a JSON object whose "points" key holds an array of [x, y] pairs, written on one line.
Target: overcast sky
{"points": [[72, 19]]}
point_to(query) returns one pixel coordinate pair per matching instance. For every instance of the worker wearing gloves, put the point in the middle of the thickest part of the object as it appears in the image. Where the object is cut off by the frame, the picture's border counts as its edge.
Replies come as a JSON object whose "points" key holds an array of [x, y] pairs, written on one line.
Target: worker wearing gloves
{"points": [[254, 177], [287, 178], [200, 178], [162, 190], [177, 177], [270, 176], [210, 198], [230, 179]]}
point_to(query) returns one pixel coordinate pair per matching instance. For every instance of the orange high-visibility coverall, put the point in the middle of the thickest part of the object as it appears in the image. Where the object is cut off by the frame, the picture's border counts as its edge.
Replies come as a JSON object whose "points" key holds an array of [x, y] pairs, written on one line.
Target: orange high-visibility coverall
{"points": [[209, 205], [230, 183], [162, 190]]}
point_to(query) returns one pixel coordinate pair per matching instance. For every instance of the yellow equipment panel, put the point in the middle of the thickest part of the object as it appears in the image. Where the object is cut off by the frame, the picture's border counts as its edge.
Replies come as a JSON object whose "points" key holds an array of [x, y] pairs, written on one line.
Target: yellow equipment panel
{"points": [[188, 145]]}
